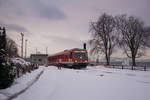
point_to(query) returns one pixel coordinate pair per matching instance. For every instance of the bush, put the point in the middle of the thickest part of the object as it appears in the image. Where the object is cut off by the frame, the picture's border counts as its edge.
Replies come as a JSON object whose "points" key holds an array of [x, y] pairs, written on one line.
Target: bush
{"points": [[7, 73]]}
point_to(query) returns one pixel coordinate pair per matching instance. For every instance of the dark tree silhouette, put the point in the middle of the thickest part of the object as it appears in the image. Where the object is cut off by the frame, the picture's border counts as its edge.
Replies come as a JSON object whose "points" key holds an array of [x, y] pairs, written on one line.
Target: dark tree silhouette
{"points": [[6, 68], [104, 36], [135, 36], [2, 39]]}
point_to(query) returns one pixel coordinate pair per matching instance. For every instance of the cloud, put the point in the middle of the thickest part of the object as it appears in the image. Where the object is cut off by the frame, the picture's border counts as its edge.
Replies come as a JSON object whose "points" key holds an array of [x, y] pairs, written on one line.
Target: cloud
{"points": [[14, 27], [30, 8], [48, 11]]}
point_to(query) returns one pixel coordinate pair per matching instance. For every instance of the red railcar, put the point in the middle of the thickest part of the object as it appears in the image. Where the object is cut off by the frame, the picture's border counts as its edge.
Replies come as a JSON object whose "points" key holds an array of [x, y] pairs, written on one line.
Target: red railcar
{"points": [[73, 58]]}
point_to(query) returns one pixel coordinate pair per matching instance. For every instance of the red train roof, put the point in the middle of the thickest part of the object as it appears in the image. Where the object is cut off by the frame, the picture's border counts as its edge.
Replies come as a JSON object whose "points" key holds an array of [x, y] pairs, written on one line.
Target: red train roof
{"points": [[65, 52], [61, 53]]}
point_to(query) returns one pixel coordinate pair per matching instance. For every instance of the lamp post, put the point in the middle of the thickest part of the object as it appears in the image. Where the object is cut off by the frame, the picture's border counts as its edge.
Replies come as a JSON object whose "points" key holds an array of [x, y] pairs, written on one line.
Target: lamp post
{"points": [[26, 48], [22, 35], [46, 50]]}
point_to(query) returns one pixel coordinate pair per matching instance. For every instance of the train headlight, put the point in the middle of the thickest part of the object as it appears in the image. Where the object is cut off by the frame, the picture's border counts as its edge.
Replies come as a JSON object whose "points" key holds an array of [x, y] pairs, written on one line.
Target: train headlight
{"points": [[85, 60], [75, 61]]}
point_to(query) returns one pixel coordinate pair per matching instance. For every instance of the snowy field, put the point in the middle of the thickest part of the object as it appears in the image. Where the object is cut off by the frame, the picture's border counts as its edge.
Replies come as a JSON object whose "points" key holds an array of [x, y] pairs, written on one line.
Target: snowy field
{"points": [[96, 83]]}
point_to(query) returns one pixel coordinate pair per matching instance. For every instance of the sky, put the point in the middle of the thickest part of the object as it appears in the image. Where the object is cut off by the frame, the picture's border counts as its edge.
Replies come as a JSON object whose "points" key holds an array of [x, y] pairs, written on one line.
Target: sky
{"points": [[62, 24]]}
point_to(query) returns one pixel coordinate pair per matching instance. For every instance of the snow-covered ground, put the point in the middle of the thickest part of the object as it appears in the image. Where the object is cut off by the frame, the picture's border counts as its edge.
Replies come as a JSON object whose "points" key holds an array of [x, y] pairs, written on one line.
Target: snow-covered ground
{"points": [[20, 84], [97, 83]]}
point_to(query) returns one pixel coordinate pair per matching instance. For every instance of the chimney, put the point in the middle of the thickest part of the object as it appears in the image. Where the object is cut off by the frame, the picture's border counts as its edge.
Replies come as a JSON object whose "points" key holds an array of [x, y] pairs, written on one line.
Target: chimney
{"points": [[84, 46]]}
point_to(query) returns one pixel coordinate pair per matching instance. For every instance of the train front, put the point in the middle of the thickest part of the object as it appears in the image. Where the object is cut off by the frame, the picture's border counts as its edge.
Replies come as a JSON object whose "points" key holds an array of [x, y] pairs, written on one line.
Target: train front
{"points": [[80, 58]]}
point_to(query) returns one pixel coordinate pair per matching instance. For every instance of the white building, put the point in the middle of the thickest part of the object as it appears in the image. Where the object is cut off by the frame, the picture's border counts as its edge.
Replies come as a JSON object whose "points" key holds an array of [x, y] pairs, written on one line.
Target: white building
{"points": [[40, 59]]}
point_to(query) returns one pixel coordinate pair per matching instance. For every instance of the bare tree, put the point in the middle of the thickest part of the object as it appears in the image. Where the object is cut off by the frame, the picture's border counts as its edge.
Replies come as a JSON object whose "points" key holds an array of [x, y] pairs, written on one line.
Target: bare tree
{"points": [[135, 36], [104, 36], [11, 48]]}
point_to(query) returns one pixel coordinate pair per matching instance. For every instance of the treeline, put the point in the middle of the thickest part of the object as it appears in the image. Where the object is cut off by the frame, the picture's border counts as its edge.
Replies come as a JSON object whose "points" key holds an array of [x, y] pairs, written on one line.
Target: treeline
{"points": [[11, 65], [126, 32]]}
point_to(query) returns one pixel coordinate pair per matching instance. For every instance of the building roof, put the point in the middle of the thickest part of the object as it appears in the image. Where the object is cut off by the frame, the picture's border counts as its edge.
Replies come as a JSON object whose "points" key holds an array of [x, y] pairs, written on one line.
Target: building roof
{"points": [[39, 54]]}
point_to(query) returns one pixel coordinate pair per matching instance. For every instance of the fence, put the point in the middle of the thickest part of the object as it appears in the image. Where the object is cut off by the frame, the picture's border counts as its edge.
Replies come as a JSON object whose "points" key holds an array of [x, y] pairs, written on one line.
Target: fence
{"points": [[141, 67]]}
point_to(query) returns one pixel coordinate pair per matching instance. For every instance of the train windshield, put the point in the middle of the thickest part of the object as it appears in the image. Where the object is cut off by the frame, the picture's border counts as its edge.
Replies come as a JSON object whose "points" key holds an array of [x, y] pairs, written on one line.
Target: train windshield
{"points": [[80, 55]]}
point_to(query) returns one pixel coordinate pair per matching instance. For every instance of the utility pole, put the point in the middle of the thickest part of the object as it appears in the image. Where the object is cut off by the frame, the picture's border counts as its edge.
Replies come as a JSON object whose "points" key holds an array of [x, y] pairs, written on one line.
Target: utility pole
{"points": [[26, 48], [22, 35], [46, 50]]}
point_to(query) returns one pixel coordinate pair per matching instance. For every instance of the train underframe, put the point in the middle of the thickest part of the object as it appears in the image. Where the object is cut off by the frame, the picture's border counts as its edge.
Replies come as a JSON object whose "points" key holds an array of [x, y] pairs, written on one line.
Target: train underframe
{"points": [[77, 65], [71, 65]]}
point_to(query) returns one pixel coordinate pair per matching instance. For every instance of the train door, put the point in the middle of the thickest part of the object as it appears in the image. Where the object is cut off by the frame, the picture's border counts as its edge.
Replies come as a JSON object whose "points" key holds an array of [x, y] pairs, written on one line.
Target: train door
{"points": [[59, 59], [70, 57], [67, 58]]}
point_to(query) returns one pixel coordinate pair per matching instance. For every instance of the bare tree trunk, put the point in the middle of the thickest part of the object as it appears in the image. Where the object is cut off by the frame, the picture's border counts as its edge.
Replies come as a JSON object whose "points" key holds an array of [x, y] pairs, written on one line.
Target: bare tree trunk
{"points": [[107, 59], [133, 61]]}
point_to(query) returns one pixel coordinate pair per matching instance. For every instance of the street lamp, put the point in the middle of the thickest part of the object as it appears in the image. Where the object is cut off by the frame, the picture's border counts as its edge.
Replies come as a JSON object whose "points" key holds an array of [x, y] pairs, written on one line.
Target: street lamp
{"points": [[98, 46], [22, 35], [26, 48]]}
